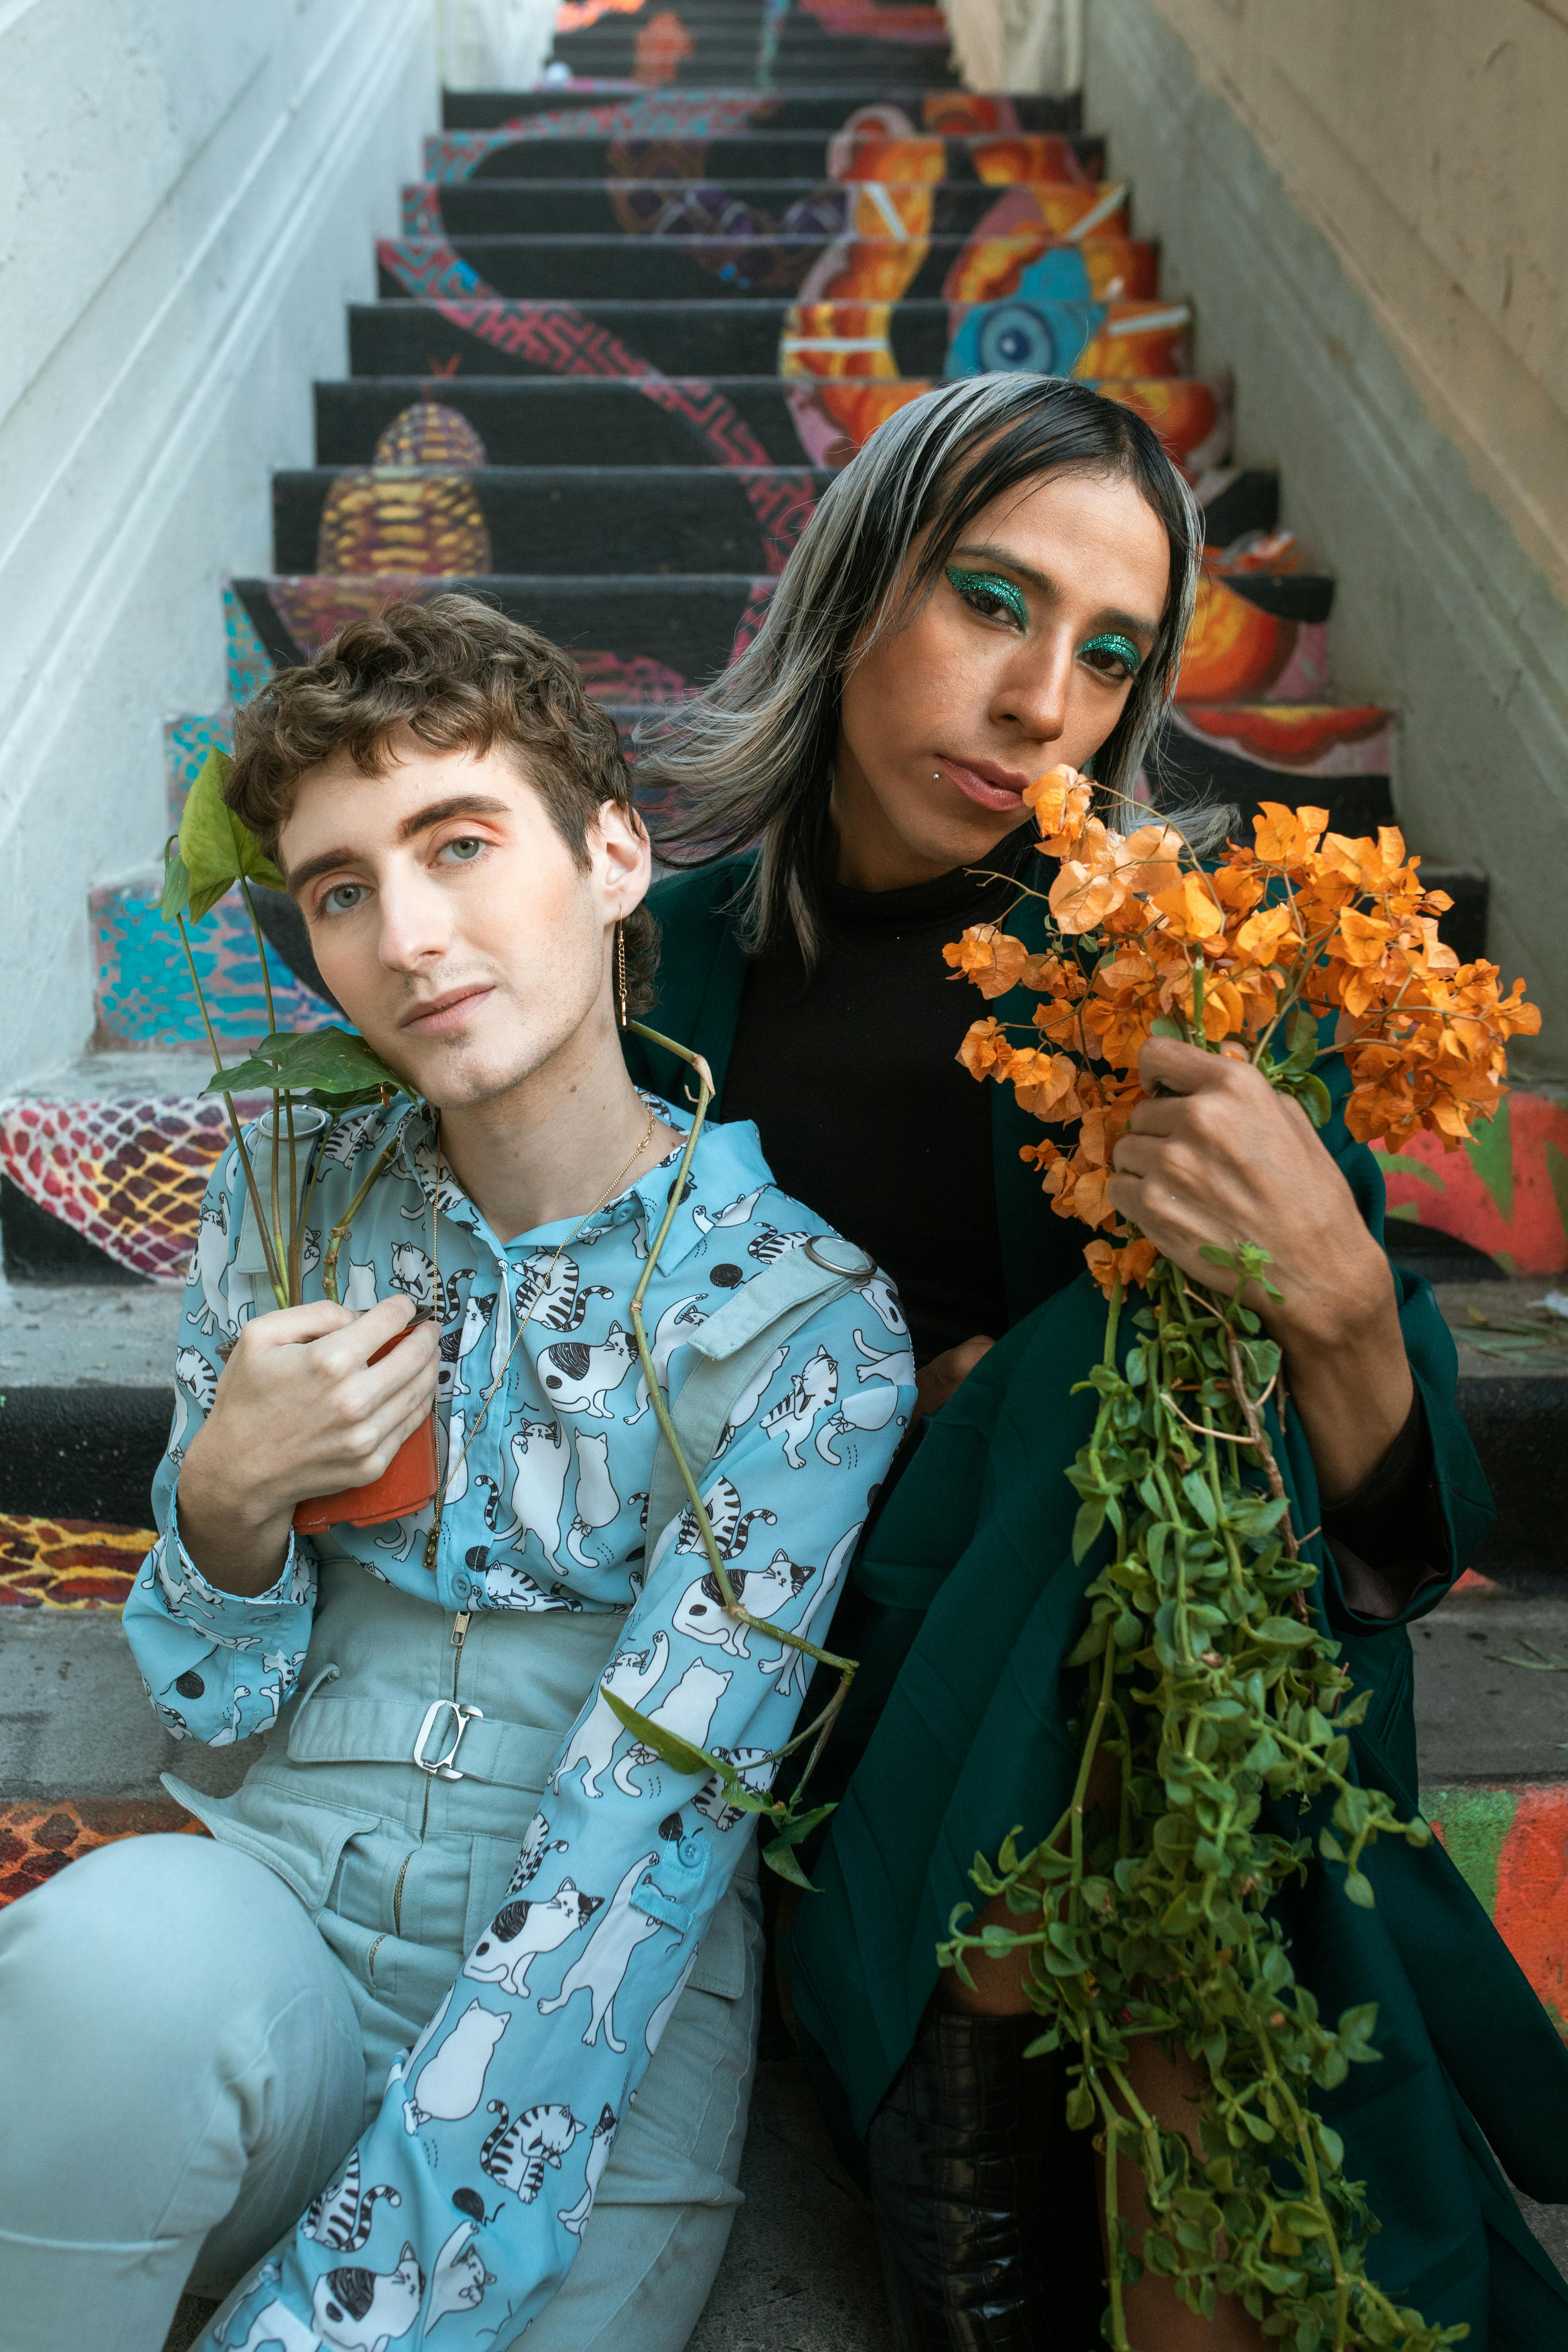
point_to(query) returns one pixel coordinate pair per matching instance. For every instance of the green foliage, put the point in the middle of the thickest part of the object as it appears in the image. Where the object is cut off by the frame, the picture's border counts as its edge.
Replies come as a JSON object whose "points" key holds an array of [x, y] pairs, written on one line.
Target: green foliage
{"points": [[216, 849], [1210, 1688], [335, 1070], [789, 1826]]}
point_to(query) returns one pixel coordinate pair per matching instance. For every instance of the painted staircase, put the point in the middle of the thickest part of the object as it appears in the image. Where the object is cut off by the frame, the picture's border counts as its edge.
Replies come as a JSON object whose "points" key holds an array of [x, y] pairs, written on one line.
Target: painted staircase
{"points": [[631, 324]]}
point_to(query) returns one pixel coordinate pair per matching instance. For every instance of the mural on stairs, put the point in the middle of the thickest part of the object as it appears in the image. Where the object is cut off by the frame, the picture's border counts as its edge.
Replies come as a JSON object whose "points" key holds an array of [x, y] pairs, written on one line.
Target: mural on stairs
{"points": [[728, 288]]}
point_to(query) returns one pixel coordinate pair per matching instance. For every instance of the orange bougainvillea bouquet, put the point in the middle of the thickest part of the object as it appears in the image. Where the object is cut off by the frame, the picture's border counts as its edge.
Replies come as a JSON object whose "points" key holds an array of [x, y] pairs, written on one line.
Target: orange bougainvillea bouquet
{"points": [[1215, 1709]]}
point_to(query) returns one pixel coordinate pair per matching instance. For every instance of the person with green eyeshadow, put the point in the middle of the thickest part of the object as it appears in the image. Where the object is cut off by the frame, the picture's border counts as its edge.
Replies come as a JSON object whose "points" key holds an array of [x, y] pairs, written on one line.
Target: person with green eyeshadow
{"points": [[1002, 581]]}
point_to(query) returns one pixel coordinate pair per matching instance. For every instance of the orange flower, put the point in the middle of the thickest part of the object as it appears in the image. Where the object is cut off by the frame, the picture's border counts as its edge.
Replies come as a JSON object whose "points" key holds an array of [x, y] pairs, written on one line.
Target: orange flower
{"points": [[989, 957], [1190, 909], [1130, 1264], [1060, 800], [1287, 836], [1262, 936]]}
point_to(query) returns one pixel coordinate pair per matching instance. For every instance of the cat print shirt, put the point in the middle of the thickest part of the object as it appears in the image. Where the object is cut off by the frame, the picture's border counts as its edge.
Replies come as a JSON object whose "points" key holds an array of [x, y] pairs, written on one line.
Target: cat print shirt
{"points": [[517, 2087]]}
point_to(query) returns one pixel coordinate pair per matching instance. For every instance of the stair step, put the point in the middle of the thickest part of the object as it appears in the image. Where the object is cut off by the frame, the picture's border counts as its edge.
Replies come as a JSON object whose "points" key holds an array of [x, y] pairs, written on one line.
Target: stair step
{"points": [[995, 158], [632, 266], [661, 206], [572, 420], [453, 328], [796, 110], [142, 994], [109, 1159]]}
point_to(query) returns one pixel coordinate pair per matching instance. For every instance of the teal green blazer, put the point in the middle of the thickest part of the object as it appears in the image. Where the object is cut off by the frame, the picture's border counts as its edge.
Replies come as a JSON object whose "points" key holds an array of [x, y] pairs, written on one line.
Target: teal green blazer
{"points": [[964, 1603]]}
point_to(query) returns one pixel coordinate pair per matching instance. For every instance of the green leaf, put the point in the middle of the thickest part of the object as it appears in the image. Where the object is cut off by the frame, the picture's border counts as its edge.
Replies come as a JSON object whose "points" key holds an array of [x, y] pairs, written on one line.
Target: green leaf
{"points": [[1315, 1100], [1283, 1634], [1218, 1257], [793, 1827], [779, 1858], [176, 881], [1080, 2108], [216, 848], [327, 1064], [1087, 1525], [679, 1754], [1359, 1889]]}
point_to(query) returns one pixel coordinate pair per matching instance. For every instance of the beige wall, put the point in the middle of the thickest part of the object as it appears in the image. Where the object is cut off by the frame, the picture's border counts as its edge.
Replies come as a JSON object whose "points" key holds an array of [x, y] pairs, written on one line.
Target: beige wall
{"points": [[1428, 141]]}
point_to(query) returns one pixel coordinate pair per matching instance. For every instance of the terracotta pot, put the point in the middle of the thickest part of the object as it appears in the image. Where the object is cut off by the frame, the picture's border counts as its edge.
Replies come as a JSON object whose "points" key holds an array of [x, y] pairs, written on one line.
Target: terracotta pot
{"points": [[408, 1483]]}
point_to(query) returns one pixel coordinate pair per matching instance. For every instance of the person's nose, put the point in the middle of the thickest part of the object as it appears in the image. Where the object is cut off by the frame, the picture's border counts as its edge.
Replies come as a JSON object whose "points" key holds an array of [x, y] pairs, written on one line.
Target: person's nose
{"points": [[1032, 690], [414, 930]]}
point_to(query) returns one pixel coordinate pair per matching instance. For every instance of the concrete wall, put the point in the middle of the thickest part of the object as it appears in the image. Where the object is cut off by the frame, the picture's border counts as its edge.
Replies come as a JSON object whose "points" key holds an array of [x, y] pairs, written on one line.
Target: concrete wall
{"points": [[1368, 205], [188, 196]]}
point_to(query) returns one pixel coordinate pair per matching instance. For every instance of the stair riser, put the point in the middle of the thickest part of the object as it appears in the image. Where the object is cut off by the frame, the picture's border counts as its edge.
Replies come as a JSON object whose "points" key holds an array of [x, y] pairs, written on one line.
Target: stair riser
{"points": [[764, 155], [687, 207], [794, 109], [633, 268], [864, 340], [143, 998], [93, 1453], [571, 421]]}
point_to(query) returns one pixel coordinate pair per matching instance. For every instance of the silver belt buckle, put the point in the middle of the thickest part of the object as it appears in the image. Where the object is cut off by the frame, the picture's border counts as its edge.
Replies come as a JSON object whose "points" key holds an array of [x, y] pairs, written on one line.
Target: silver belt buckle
{"points": [[442, 1767]]}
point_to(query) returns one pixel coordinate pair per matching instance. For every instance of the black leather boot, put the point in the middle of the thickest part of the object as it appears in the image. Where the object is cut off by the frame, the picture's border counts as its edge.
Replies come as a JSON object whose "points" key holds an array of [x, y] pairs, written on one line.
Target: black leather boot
{"points": [[985, 2206]]}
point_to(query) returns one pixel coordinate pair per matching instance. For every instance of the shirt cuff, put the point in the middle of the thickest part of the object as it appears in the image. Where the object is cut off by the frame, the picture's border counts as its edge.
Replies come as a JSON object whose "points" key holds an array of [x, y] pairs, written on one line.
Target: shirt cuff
{"points": [[1387, 1535], [298, 1561]]}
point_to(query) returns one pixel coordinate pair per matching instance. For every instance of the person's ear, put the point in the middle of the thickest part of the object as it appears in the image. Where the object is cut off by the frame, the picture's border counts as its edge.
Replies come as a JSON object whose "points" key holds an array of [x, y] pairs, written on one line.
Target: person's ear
{"points": [[623, 856]]}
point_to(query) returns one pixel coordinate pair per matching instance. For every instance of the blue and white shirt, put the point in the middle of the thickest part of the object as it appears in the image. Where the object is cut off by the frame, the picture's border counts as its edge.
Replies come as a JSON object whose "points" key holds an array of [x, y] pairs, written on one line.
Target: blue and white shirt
{"points": [[545, 1512]]}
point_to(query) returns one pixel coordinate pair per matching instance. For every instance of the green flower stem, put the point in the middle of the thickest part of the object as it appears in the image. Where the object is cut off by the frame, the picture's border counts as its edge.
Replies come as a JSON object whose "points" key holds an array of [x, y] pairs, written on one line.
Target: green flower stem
{"points": [[285, 1255], [644, 1357], [274, 1274], [336, 1239]]}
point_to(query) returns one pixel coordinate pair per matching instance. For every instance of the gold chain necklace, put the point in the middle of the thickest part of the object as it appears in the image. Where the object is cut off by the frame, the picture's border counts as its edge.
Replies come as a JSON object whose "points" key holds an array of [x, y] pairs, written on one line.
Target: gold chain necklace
{"points": [[433, 1540]]}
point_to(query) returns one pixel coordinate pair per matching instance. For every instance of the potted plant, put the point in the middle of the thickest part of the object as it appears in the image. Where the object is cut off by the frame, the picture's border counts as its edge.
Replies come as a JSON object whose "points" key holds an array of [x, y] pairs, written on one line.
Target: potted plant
{"points": [[314, 1078]]}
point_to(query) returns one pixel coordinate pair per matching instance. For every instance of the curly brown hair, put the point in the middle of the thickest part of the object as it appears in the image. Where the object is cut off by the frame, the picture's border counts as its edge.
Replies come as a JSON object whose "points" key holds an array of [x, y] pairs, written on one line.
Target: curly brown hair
{"points": [[461, 676]]}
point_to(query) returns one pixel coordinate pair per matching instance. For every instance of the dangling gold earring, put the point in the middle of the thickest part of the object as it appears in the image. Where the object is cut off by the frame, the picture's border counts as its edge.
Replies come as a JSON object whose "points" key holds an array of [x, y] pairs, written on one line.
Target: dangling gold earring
{"points": [[621, 969]]}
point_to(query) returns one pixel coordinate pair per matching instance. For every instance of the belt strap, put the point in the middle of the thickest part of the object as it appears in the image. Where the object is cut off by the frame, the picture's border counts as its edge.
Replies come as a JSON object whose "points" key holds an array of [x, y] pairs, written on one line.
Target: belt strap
{"points": [[333, 1730]]}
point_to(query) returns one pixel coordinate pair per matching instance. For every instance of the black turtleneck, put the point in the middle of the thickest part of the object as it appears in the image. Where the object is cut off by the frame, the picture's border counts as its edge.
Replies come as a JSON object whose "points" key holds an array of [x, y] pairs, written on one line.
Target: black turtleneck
{"points": [[863, 1108]]}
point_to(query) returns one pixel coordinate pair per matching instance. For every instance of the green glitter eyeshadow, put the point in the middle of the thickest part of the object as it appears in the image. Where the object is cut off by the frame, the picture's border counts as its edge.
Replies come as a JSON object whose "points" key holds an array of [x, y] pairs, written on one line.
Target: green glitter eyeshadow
{"points": [[990, 584], [1113, 641]]}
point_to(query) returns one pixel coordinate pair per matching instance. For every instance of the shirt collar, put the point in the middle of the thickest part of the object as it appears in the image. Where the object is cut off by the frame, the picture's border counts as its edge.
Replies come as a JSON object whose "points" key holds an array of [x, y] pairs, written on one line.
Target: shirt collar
{"points": [[727, 1162]]}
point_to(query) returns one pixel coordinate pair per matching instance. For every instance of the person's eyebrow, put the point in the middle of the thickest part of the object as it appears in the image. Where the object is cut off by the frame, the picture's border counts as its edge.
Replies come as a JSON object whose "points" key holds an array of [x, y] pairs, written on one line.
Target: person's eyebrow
{"points": [[1135, 624], [422, 821]]}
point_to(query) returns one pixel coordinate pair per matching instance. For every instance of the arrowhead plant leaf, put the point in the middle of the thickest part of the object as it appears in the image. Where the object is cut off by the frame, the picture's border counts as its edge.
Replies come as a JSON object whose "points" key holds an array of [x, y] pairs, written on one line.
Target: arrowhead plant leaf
{"points": [[332, 1067], [216, 849]]}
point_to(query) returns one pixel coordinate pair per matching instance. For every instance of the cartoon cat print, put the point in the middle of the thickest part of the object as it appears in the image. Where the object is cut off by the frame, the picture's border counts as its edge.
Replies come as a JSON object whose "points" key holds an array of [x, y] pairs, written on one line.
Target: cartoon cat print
{"points": [[352, 2310], [750, 1397], [794, 1667], [518, 2150], [450, 2083], [687, 1713], [459, 2279], [812, 1387], [573, 2216], [674, 1328], [458, 1346], [209, 1266], [196, 1377], [579, 1378], [596, 1504], [592, 1745], [754, 1767], [552, 1296], [730, 1523], [600, 1969], [540, 1459], [521, 1930], [761, 1591], [739, 1213], [340, 2216], [536, 1843], [868, 1408]]}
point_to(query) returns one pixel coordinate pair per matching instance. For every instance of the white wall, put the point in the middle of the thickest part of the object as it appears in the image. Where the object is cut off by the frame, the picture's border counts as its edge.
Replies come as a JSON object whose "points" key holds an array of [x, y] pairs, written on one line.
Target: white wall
{"points": [[189, 194]]}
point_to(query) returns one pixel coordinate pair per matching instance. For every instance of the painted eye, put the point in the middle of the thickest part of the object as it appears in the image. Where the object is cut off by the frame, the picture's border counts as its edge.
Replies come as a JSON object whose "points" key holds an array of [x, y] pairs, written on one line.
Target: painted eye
{"points": [[1015, 340]]}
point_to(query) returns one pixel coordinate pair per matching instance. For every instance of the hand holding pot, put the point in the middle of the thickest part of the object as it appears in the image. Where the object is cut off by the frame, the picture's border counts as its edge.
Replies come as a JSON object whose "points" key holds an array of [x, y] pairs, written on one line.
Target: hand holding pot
{"points": [[300, 1411]]}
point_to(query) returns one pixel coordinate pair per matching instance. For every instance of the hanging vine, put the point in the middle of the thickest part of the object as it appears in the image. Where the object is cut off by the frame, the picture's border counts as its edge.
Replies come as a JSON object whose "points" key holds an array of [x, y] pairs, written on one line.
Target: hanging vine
{"points": [[1212, 1694]]}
